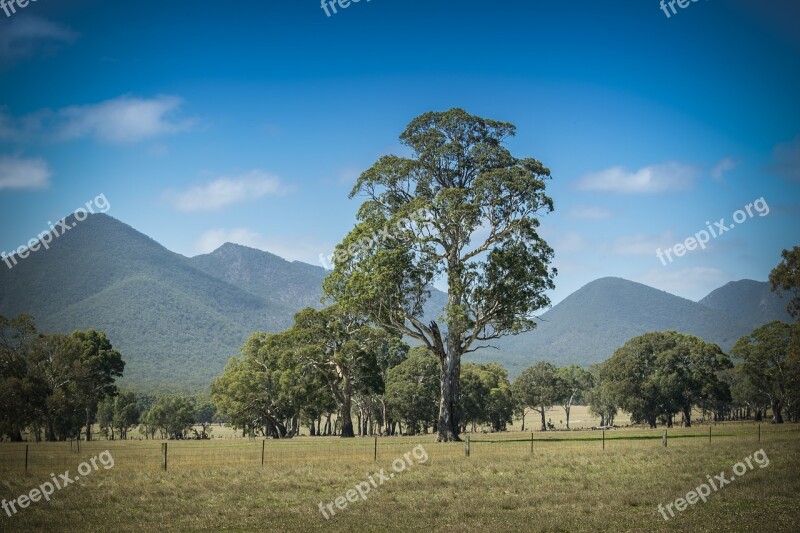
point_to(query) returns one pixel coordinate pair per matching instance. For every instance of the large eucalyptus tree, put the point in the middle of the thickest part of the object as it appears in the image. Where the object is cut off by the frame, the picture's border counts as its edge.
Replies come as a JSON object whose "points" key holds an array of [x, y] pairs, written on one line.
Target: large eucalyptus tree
{"points": [[479, 235]]}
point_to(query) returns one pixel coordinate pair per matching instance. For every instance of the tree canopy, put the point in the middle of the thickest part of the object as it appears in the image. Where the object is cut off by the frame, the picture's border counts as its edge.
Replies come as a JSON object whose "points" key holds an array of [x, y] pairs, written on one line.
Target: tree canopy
{"points": [[480, 235]]}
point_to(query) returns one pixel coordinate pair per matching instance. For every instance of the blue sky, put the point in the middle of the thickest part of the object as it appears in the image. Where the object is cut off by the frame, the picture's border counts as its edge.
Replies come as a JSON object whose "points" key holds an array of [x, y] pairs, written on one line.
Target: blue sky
{"points": [[208, 122]]}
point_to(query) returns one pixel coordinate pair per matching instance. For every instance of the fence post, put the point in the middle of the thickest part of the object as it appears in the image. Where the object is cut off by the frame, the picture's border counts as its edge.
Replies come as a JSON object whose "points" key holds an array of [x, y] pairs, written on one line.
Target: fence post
{"points": [[263, 448], [164, 446], [375, 455], [466, 450], [709, 434], [531, 442], [604, 439], [26, 458], [665, 438], [759, 433]]}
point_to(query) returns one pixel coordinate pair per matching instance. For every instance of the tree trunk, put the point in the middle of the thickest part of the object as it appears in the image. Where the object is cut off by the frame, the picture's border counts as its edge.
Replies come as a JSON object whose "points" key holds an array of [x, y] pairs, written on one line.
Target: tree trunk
{"points": [[777, 407], [51, 431], [347, 405], [523, 420], [566, 411], [544, 424], [88, 424], [687, 416], [447, 426]]}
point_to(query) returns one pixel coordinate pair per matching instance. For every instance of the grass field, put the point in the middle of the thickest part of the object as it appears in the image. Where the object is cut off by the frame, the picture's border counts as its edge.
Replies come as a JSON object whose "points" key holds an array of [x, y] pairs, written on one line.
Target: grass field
{"points": [[565, 481]]}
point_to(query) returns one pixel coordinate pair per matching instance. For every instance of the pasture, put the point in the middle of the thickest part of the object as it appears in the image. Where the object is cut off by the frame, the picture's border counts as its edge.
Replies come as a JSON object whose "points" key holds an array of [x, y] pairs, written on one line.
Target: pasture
{"points": [[559, 481]]}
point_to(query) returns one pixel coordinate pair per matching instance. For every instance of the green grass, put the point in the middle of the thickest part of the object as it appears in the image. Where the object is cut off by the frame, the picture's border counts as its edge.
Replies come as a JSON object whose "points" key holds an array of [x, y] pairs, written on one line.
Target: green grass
{"points": [[568, 483]]}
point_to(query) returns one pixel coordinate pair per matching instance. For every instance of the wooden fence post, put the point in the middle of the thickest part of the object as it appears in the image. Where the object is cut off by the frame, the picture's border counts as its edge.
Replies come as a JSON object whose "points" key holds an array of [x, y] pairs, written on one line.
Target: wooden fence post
{"points": [[664, 438], [466, 450], [604, 439], [375, 455], [759, 433], [531, 442], [164, 447], [26, 458], [263, 448], [709, 434]]}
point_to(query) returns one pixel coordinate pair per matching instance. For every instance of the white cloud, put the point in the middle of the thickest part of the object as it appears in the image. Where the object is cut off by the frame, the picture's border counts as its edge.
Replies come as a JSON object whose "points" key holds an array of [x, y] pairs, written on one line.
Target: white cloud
{"points": [[719, 170], [641, 245], [786, 159], [589, 212], [118, 121], [26, 36], [692, 283], [651, 179], [122, 120], [292, 249], [18, 173], [569, 243], [225, 191]]}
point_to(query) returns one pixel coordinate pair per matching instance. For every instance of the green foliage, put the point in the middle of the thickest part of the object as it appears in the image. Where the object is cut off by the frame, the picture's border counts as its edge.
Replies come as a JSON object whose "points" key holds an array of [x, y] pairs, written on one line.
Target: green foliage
{"points": [[660, 373], [786, 277], [572, 385], [771, 367], [116, 415], [171, 416], [601, 399], [468, 184], [52, 384], [412, 390], [486, 396], [537, 388]]}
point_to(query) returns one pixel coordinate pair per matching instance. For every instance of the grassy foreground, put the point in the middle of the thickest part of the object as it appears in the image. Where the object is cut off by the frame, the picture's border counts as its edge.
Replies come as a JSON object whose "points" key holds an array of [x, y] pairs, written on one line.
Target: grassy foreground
{"points": [[564, 485]]}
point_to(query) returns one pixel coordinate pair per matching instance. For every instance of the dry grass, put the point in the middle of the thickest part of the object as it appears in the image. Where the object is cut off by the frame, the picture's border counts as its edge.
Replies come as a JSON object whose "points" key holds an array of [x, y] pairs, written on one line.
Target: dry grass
{"points": [[568, 483]]}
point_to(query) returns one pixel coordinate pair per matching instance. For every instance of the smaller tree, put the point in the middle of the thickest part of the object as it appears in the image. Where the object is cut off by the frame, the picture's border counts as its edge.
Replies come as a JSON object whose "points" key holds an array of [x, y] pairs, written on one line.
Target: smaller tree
{"points": [[772, 370], [412, 390], [786, 277], [573, 382], [537, 388], [172, 416]]}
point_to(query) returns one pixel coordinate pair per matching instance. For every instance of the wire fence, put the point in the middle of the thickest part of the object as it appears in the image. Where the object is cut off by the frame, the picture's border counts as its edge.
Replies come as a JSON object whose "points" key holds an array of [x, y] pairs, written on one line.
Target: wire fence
{"points": [[153, 455]]}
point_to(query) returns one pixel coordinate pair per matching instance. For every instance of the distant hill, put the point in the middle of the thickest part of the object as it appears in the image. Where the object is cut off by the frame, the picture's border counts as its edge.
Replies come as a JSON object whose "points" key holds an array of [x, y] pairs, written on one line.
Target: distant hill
{"points": [[175, 324], [177, 320], [750, 302], [265, 275], [591, 323]]}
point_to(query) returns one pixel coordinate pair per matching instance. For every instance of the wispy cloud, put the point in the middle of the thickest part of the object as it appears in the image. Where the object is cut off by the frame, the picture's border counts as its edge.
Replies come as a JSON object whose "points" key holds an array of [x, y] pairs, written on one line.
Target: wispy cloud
{"points": [[664, 177], [641, 245], [692, 283], [725, 165], [19, 173], [117, 121], [786, 159], [225, 191], [123, 120], [589, 212], [27, 36]]}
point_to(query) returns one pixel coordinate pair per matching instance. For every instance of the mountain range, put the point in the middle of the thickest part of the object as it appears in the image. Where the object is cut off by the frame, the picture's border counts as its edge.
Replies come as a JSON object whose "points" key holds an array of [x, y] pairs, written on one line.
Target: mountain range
{"points": [[177, 320]]}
